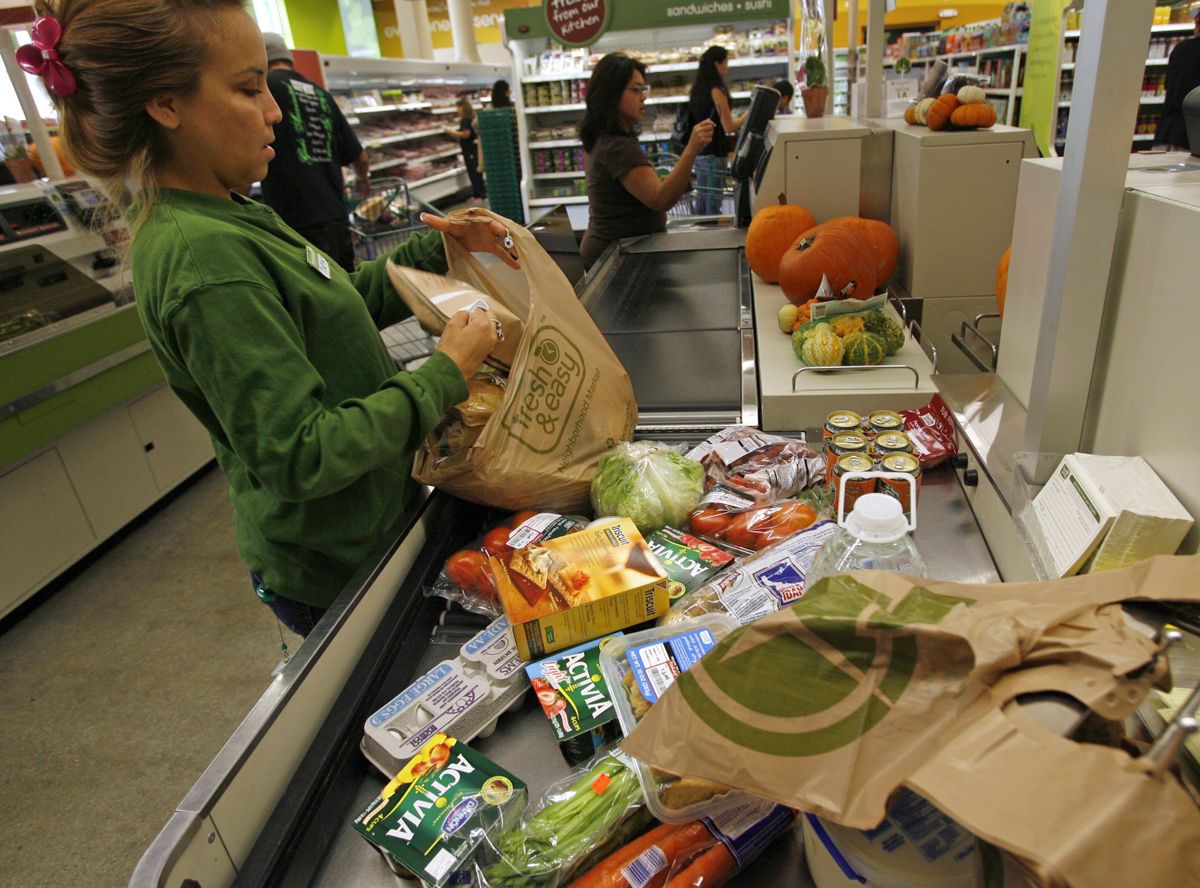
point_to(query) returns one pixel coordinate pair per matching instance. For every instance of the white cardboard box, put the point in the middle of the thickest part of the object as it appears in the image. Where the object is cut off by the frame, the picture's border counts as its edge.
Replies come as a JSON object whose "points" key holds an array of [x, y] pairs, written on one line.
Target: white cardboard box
{"points": [[1103, 512]]}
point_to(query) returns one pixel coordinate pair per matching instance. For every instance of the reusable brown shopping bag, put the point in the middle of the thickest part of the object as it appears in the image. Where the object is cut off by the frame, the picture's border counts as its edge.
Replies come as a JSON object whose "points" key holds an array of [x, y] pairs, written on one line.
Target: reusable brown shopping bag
{"points": [[568, 399], [874, 681]]}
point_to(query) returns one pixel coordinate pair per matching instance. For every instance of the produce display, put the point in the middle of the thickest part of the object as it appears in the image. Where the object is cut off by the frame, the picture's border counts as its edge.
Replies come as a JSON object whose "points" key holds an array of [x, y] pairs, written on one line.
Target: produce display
{"points": [[652, 484], [852, 338], [964, 108]]}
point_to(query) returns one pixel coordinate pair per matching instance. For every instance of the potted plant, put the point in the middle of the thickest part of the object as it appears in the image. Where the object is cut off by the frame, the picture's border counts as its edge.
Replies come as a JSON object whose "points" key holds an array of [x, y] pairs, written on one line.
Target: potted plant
{"points": [[816, 87], [16, 154]]}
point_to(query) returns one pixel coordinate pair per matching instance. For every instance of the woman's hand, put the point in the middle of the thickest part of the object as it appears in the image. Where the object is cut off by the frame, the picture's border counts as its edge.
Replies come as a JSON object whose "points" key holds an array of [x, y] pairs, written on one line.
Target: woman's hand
{"points": [[468, 338], [478, 237], [702, 135]]}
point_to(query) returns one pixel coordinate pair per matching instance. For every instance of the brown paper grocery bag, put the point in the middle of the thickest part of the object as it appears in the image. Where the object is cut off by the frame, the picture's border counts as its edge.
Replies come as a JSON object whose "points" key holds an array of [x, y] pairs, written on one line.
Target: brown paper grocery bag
{"points": [[873, 681], [434, 298], [568, 399]]}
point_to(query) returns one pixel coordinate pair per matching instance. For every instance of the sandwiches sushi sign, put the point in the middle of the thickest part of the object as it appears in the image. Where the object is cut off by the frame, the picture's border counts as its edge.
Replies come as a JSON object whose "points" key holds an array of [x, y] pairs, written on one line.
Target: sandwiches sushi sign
{"points": [[583, 22]]}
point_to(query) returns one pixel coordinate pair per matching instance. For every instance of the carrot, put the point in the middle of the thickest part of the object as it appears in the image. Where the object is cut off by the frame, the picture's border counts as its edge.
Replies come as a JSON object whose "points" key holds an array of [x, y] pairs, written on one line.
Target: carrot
{"points": [[679, 842], [713, 868]]}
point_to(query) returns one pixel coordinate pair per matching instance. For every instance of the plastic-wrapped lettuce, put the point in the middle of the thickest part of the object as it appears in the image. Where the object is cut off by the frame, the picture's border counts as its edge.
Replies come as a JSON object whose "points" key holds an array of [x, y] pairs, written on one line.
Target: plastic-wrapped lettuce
{"points": [[651, 483]]}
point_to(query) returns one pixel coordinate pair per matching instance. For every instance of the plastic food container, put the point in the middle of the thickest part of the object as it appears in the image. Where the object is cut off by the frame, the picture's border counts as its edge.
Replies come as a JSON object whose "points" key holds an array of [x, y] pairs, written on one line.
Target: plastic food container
{"points": [[639, 668], [916, 846]]}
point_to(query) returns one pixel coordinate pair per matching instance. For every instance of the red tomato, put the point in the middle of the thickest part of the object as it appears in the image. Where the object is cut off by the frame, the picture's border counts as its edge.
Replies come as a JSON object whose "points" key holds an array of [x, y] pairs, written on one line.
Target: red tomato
{"points": [[741, 531], [709, 521], [495, 541], [469, 568], [520, 518]]}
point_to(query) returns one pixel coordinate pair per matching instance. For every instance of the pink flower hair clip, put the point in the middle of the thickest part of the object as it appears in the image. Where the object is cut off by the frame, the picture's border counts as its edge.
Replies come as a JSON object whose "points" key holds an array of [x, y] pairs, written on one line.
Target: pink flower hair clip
{"points": [[41, 57]]}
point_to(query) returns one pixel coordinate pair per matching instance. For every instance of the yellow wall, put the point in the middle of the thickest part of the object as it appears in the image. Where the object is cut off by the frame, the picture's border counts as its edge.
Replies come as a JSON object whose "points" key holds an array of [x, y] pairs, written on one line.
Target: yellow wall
{"points": [[316, 24], [915, 13]]}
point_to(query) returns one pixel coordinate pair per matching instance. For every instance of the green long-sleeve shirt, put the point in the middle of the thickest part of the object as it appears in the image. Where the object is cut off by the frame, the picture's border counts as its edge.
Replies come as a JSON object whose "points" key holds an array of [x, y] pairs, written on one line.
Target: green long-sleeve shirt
{"points": [[312, 425]]}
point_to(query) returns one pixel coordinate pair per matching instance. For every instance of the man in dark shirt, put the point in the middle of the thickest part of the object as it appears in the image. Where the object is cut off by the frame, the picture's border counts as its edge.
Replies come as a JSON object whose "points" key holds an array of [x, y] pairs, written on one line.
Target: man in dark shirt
{"points": [[312, 143], [1183, 75]]}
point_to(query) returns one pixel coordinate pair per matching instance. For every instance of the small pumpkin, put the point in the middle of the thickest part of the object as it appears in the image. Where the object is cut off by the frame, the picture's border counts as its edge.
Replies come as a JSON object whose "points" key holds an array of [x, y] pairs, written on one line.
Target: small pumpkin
{"points": [[923, 107], [975, 115], [938, 116], [772, 231], [1002, 279], [910, 114], [882, 240], [831, 251], [821, 347], [970, 94]]}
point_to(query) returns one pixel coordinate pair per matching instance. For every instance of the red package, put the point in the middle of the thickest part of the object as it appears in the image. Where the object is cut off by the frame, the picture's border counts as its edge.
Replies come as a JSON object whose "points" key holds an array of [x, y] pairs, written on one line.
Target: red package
{"points": [[757, 468], [754, 529], [931, 431], [466, 576]]}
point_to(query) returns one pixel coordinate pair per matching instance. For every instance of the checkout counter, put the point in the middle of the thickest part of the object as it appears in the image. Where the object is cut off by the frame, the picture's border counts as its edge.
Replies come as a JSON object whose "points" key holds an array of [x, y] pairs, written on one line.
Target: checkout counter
{"points": [[89, 434], [697, 332]]}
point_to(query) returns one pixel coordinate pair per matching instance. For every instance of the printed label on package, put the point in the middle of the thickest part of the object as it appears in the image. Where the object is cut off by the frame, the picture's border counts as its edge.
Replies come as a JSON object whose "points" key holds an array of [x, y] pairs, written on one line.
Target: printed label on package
{"points": [[656, 666]]}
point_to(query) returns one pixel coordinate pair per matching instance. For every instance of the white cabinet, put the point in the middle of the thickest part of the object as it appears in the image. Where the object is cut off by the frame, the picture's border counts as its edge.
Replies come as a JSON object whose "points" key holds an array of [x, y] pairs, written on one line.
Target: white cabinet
{"points": [[45, 528], [174, 443]]}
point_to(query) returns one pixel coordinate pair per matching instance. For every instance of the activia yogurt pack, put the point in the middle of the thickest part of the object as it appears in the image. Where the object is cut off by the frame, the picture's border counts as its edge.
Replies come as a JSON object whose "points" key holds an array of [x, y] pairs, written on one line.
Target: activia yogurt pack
{"points": [[463, 697]]}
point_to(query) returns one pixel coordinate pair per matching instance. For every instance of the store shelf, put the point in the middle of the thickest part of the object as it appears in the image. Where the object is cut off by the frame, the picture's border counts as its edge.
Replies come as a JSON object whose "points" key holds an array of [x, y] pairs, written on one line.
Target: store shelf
{"points": [[381, 109], [404, 137], [551, 109], [575, 143], [572, 174], [745, 62], [387, 164], [437, 177], [400, 161], [1177, 28], [1004, 91], [574, 199]]}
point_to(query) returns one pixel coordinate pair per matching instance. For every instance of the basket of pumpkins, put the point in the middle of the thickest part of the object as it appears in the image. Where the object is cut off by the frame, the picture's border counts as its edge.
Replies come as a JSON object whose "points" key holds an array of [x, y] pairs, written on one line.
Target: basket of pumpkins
{"points": [[966, 109]]}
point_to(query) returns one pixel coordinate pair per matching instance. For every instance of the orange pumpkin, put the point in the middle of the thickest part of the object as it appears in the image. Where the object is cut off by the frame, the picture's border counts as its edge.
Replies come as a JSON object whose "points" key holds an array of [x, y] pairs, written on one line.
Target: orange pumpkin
{"points": [[882, 240], [973, 114], [832, 251], [910, 114], [938, 117], [771, 232], [1002, 279]]}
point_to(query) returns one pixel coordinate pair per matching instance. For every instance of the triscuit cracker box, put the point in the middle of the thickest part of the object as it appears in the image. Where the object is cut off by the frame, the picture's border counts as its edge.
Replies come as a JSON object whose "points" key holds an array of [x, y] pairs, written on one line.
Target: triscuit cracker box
{"points": [[572, 589]]}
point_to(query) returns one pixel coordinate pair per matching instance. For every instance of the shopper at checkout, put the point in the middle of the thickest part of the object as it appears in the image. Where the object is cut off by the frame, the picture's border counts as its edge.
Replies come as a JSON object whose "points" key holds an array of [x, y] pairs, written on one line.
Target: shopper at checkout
{"points": [[709, 99], [625, 195], [274, 349], [313, 142]]}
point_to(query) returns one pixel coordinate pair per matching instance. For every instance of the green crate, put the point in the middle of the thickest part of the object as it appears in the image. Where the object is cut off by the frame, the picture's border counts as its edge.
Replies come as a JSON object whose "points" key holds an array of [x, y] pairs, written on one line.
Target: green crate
{"points": [[501, 161]]}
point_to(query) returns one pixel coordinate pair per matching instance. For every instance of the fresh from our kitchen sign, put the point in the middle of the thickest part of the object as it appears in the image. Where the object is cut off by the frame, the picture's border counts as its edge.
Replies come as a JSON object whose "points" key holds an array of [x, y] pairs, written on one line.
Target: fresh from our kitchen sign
{"points": [[577, 22]]}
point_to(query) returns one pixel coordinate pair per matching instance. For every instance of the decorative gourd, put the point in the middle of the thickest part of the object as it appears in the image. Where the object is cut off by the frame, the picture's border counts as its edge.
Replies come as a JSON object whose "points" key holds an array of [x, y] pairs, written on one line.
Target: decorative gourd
{"points": [[938, 116], [862, 348], [976, 114], [910, 114], [923, 107], [970, 94], [1002, 279], [821, 347], [882, 240], [772, 231], [883, 324], [832, 251]]}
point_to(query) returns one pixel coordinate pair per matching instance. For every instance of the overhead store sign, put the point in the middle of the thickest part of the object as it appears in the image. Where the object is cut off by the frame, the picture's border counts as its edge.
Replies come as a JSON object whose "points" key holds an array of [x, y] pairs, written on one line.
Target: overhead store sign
{"points": [[577, 22], [1039, 95], [628, 15]]}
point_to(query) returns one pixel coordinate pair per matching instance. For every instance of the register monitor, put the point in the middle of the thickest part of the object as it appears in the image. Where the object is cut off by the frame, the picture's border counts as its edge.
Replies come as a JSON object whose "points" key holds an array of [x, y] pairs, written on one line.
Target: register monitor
{"points": [[749, 149]]}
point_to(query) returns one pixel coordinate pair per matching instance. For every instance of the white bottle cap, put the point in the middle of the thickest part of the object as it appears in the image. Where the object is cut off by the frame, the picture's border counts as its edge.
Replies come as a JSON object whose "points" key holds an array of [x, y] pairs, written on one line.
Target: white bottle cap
{"points": [[877, 518]]}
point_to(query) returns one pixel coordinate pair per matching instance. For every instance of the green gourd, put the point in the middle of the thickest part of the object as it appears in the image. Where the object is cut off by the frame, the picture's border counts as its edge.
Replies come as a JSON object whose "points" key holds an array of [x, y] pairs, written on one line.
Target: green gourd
{"points": [[862, 347], [821, 347], [889, 328]]}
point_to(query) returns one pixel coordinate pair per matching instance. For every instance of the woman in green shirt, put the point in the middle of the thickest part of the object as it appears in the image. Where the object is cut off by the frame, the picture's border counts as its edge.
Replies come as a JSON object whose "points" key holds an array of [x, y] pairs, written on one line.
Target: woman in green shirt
{"points": [[273, 347]]}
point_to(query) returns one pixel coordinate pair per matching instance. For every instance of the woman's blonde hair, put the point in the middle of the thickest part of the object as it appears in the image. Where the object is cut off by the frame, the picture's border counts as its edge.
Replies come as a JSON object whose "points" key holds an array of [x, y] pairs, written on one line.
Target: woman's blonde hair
{"points": [[464, 105], [124, 53]]}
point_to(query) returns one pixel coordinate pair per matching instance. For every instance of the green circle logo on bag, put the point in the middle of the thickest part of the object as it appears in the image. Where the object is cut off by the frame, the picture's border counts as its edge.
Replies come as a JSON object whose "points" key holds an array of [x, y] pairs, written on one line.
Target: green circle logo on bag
{"points": [[848, 656]]}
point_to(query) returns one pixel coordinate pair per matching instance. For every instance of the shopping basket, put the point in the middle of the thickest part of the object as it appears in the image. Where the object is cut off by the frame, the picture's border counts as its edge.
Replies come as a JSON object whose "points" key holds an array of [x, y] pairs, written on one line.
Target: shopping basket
{"points": [[382, 220], [710, 193]]}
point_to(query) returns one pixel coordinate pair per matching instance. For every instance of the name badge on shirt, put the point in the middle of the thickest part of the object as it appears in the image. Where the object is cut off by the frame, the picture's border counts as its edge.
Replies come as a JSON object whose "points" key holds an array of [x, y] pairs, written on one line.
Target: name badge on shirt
{"points": [[317, 261]]}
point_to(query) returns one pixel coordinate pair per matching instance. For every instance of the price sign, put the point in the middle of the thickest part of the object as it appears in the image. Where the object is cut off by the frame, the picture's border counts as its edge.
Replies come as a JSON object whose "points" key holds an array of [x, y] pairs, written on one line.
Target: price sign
{"points": [[577, 22]]}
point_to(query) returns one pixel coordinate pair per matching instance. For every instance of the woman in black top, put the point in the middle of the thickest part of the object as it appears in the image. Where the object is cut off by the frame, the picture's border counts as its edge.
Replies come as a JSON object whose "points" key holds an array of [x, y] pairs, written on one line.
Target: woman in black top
{"points": [[709, 100], [501, 96], [625, 195], [468, 138]]}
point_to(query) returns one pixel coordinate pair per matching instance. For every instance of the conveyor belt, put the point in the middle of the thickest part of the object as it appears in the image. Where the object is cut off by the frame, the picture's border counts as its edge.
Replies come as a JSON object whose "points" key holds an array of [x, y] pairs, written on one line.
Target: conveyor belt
{"points": [[684, 371], [652, 292]]}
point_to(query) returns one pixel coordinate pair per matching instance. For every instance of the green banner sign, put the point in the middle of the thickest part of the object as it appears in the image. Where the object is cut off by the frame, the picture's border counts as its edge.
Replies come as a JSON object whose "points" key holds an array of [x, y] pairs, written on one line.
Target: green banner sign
{"points": [[627, 15], [1039, 100]]}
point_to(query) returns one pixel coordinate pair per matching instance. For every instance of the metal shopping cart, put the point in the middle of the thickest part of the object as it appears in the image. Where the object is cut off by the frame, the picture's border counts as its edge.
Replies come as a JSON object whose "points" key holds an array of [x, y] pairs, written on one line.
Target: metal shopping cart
{"points": [[710, 194], [382, 220]]}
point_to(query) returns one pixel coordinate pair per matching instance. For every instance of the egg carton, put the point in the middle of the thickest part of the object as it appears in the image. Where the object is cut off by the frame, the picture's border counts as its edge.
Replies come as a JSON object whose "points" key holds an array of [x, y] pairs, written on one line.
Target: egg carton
{"points": [[463, 697]]}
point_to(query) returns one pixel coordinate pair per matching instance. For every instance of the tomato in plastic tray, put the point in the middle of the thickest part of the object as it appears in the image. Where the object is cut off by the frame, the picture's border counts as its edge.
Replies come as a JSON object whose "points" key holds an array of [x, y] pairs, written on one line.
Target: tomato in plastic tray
{"points": [[760, 466], [754, 529], [466, 576]]}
